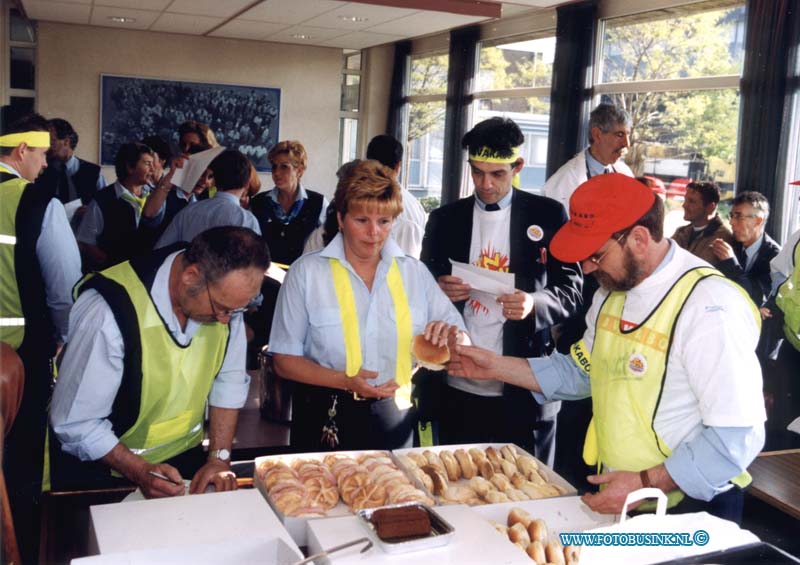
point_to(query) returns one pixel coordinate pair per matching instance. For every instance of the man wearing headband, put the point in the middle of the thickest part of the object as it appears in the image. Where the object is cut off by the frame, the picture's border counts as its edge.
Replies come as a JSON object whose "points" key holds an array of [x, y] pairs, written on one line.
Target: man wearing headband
{"points": [[668, 358], [39, 263], [506, 230], [609, 131]]}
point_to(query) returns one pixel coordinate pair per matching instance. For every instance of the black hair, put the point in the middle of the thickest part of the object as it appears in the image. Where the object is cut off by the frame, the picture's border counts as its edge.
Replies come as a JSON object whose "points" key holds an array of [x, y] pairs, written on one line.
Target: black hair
{"points": [[64, 130], [500, 135], [221, 250], [385, 149], [127, 156], [231, 170], [709, 192], [159, 146]]}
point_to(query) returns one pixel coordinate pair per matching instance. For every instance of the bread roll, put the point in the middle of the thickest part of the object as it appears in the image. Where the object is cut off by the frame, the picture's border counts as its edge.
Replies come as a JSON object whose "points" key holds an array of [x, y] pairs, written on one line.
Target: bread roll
{"points": [[519, 516], [508, 468], [434, 459], [486, 469], [501, 482], [477, 455], [468, 469], [459, 494], [451, 466], [428, 355], [438, 478], [516, 495], [495, 497], [407, 461], [537, 529], [509, 453], [494, 456], [554, 552], [518, 534], [536, 552], [417, 458], [481, 486], [572, 554]]}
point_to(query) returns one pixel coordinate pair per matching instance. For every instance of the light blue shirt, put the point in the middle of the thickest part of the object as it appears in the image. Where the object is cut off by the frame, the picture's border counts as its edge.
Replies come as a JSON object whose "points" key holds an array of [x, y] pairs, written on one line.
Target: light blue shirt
{"points": [[596, 167], [503, 203], [59, 260], [750, 252], [222, 210], [308, 322], [299, 200], [71, 167], [702, 466], [91, 372]]}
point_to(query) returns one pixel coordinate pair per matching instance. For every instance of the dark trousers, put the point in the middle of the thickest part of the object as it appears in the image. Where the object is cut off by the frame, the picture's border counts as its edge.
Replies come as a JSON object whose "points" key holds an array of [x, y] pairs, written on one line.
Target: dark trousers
{"points": [[367, 424], [470, 418], [23, 458]]}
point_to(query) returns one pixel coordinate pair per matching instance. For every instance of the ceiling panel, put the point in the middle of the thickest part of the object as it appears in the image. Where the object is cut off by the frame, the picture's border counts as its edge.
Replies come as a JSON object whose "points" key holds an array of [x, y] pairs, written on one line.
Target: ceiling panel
{"points": [[101, 17], [156, 5], [182, 23], [423, 23], [246, 29], [313, 35], [216, 8], [289, 11], [368, 14], [73, 13], [361, 40]]}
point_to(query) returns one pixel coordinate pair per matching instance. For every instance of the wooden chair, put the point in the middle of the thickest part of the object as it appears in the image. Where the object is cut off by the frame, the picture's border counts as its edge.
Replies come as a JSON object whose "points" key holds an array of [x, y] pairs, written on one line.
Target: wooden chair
{"points": [[12, 379]]}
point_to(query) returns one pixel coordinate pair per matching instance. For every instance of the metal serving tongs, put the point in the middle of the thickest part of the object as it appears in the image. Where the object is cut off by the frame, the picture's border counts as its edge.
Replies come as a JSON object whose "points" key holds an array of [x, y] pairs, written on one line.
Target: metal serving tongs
{"points": [[337, 548]]}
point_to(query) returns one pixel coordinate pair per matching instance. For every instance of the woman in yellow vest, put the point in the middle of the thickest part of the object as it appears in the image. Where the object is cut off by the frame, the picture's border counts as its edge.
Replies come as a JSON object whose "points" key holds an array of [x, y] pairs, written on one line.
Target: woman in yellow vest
{"points": [[344, 322]]}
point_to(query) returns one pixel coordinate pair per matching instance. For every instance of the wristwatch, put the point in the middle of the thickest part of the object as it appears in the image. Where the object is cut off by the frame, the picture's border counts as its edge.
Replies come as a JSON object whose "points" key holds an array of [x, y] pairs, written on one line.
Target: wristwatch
{"points": [[221, 454]]}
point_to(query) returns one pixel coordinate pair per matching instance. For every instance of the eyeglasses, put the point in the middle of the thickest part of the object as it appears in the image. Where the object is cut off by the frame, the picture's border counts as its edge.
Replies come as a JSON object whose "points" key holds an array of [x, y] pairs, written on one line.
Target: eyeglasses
{"points": [[740, 216], [599, 258], [222, 312]]}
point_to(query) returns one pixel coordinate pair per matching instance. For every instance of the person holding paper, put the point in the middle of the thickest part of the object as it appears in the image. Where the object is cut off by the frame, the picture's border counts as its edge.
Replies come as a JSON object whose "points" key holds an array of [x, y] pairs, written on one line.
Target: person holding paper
{"points": [[231, 172], [505, 230], [108, 232], [39, 263], [345, 319]]}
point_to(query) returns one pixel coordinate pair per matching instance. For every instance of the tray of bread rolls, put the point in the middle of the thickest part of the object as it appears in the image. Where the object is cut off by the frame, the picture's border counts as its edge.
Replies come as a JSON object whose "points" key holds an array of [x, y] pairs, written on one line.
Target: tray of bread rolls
{"points": [[477, 474], [534, 526], [305, 486]]}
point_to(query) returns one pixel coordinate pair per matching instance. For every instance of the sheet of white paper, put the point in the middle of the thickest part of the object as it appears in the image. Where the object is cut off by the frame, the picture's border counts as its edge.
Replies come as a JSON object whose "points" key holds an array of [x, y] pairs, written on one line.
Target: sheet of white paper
{"points": [[71, 207], [794, 426], [496, 283], [187, 176]]}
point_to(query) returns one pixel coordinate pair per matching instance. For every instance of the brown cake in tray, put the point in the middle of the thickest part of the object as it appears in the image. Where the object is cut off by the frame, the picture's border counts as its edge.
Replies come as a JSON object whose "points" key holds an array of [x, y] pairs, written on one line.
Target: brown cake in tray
{"points": [[401, 523]]}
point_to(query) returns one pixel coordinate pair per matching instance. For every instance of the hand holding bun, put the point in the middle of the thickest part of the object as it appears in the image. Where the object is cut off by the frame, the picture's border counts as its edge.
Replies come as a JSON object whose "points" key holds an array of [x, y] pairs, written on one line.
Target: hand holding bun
{"points": [[429, 355]]}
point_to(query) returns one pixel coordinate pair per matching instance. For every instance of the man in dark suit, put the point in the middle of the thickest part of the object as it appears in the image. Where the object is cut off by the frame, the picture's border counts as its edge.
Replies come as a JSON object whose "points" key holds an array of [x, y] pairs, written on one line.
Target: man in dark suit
{"points": [[506, 230], [747, 260]]}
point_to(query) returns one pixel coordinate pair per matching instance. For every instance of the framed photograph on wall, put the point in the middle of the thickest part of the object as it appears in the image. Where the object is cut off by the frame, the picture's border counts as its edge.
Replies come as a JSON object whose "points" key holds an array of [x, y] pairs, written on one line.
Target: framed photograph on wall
{"points": [[242, 117]]}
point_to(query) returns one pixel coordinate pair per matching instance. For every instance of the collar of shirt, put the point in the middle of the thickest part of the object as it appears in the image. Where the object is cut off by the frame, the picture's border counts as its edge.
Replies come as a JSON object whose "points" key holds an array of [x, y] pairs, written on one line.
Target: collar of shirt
{"points": [[10, 169], [297, 205], [752, 250], [119, 190], [504, 202], [595, 167], [163, 303], [72, 165], [227, 195], [335, 250]]}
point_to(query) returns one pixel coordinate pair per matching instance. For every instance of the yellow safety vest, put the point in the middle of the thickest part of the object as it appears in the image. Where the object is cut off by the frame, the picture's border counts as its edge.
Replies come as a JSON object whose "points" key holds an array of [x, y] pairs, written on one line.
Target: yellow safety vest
{"points": [[626, 370], [175, 379], [12, 320], [788, 300], [352, 336]]}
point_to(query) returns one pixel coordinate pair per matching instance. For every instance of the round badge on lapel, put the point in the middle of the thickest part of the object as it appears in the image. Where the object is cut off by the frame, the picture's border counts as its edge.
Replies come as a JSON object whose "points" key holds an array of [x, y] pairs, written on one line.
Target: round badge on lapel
{"points": [[637, 364], [535, 233]]}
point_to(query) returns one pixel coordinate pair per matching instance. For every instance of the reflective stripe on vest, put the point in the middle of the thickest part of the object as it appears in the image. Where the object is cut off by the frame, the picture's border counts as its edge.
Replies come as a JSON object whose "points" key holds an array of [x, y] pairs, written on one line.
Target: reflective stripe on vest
{"points": [[12, 320], [175, 380], [788, 300], [352, 335], [627, 371]]}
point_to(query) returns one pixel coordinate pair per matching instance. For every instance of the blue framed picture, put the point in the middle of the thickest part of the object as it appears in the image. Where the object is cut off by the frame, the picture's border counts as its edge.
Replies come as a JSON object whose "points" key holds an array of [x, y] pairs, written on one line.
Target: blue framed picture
{"points": [[246, 118]]}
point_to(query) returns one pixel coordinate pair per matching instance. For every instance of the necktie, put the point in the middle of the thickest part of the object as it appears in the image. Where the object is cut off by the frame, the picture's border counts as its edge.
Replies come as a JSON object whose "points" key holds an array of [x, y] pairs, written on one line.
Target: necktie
{"points": [[741, 255], [492, 207], [137, 201], [608, 169]]}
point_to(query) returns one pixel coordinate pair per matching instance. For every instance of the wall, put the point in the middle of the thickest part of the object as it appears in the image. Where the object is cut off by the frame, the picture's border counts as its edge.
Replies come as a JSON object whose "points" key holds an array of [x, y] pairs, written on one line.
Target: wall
{"points": [[378, 77], [72, 57]]}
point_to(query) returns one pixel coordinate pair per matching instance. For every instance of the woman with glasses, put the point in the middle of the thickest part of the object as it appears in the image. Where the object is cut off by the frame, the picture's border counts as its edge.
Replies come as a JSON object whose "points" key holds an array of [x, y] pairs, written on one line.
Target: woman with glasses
{"points": [[345, 319]]}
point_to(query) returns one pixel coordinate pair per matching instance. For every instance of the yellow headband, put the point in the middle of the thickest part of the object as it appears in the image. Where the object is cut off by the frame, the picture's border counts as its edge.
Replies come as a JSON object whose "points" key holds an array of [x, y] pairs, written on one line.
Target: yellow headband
{"points": [[31, 138], [487, 155]]}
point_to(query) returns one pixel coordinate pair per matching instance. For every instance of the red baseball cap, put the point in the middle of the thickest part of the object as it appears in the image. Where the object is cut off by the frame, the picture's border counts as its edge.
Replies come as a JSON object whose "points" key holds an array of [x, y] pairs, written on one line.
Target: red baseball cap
{"points": [[600, 207]]}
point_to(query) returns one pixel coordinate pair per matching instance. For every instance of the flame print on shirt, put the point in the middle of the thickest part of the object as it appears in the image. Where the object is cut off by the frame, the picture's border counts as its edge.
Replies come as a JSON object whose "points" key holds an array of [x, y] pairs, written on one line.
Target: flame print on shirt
{"points": [[493, 260]]}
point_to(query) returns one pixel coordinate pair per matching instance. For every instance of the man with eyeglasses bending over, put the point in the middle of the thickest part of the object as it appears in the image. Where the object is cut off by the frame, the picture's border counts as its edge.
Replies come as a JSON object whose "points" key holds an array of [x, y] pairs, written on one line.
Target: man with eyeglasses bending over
{"points": [[747, 260], [668, 359], [152, 339]]}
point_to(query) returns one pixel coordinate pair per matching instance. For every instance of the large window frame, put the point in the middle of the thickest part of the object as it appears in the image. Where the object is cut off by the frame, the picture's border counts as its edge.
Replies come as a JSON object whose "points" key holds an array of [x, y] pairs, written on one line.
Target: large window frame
{"points": [[350, 122]]}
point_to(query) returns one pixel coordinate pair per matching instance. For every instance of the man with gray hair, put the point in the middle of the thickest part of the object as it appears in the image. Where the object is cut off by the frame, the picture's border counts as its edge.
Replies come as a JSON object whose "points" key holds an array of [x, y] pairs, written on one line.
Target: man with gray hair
{"points": [[747, 260], [609, 131]]}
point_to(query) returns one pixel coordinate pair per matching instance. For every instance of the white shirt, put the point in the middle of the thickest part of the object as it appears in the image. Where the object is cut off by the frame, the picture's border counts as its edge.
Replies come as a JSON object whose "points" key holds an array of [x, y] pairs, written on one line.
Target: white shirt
{"points": [[571, 175], [91, 372]]}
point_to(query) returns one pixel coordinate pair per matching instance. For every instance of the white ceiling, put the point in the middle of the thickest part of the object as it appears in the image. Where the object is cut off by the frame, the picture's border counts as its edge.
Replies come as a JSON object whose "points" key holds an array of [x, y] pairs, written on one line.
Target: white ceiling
{"points": [[327, 23]]}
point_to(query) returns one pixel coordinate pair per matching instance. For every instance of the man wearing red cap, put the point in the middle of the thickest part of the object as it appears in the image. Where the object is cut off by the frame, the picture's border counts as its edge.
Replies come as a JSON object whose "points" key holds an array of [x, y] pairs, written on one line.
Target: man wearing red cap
{"points": [[668, 359]]}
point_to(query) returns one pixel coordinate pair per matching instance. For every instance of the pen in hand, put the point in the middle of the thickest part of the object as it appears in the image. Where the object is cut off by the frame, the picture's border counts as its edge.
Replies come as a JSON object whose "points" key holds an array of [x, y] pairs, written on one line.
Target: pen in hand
{"points": [[163, 477]]}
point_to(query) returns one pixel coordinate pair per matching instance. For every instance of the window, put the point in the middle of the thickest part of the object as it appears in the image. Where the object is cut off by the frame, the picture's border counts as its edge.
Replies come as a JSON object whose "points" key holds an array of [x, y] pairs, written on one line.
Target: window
{"points": [[677, 72], [21, 61], [427, 87], [513, 81], [349, 106]]}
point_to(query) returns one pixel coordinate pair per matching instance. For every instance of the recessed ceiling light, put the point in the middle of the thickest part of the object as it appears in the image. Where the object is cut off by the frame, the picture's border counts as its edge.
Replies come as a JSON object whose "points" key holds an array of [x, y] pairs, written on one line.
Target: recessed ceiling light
{"points": [[300, 36], [353, 19], [121, 19]]}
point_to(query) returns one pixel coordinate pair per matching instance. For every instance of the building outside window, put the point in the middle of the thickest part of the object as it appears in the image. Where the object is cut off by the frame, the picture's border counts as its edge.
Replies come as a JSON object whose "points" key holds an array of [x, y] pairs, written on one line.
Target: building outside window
{"points": [[350, 106], [677, 72]]}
